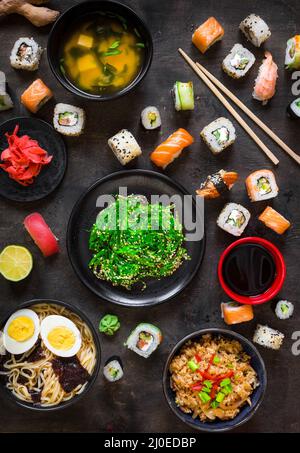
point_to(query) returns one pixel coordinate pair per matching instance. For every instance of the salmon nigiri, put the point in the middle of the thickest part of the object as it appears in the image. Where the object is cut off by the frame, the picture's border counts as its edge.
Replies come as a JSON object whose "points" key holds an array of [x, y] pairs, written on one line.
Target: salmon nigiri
{"points": [[265, 82], [171, 148], [272, 219], [234, 313]]}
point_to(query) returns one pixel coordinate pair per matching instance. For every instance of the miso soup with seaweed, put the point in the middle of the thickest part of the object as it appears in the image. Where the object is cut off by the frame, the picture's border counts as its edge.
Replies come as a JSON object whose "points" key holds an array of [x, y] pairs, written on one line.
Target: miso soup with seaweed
{"points": [[102, 54]]}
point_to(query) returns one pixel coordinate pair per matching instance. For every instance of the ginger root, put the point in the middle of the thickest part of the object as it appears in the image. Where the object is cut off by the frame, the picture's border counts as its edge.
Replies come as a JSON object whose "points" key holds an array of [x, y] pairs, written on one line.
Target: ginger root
{"points": [[37, 15]]}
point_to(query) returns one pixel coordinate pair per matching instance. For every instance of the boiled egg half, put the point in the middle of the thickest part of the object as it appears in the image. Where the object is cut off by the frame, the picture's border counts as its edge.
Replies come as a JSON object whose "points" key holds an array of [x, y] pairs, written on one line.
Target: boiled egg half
{"points": [[60, 335], [21, 331]]}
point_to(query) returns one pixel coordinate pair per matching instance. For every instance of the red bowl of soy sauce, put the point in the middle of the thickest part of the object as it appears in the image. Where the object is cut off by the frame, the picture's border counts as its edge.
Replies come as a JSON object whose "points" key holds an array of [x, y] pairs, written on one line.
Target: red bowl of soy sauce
{"points": [[252, 270]]}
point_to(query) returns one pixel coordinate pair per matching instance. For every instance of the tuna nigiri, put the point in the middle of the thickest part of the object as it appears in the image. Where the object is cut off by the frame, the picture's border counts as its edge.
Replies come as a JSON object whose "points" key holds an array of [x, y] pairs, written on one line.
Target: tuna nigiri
{"points": [[171, 148], [36, 95], [207, 34], [234, 313], [41, 234], [272, 219], [265, 82]]}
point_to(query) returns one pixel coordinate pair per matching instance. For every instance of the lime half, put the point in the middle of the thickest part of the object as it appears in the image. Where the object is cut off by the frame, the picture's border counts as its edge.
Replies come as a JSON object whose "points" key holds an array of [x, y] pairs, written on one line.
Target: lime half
{"points": [[15, 263]]}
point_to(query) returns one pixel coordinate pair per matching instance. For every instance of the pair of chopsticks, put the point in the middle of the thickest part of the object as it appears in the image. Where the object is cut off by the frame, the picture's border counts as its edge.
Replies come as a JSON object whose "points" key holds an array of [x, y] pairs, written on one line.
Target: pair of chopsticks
{"points": [[212, 83]]}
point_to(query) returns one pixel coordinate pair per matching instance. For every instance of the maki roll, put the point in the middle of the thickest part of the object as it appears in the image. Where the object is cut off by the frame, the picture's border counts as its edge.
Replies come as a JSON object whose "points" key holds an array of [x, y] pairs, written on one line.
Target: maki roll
{"points": [[261, 185], [68, 120], [234, 313], [275, 221], [233, 218], [284, 309], [293, 109], [26, 54], [144, 339], [124, 146], [113, 369], [5, 99], [207, 34], [150, 118], [268, 337], [292, 55], [183, 93], [218, 135], [217, 184], [36, 95], [255, 29], [238, 62]]}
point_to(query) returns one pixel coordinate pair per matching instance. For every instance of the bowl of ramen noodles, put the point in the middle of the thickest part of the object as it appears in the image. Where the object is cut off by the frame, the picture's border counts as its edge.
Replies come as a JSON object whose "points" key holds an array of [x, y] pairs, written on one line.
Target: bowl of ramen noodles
{"points": [[49, 355], [100, 50], [214, 380]]}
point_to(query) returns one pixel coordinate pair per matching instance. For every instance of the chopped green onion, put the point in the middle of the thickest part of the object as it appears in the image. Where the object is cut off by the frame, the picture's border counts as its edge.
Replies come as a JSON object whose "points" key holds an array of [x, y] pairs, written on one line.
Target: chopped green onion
{"points": [[230, 366], [206, 389], [220, 396], [216, 360], [137, 32], [192, 365], [114, 45], [227, 389], [225, 382], [140, 44], [207, 384], [112, 52], [214, 404], [204, 397]]}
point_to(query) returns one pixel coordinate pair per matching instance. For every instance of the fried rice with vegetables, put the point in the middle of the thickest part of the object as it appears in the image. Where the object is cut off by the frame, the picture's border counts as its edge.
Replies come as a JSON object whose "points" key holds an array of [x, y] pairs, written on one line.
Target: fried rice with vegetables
{"points": [[212, 378]]}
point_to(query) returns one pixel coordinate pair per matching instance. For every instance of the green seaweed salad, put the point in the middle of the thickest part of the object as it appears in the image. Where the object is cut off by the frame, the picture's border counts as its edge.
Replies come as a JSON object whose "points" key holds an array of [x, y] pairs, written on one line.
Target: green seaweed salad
{"points": [[133, 241]]}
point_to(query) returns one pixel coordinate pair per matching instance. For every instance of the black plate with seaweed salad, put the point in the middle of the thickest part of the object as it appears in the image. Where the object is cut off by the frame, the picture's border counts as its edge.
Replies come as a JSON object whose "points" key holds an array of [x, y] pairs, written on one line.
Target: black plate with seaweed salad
{"points": [[160, 278]]}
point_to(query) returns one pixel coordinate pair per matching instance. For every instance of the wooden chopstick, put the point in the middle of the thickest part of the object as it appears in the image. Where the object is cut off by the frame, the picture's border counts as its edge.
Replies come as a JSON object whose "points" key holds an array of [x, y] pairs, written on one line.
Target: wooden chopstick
{"points": [[251, 115], [228, 106]]}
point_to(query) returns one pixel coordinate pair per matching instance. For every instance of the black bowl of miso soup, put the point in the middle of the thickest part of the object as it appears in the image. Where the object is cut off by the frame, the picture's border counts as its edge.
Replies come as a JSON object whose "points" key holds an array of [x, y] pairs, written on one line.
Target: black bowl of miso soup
{"points": [[100, 50]]}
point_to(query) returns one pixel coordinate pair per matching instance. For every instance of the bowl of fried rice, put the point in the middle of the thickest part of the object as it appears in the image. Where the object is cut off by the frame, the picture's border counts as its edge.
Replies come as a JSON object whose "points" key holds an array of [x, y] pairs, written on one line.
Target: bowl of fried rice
{"points": [[214, 380]]}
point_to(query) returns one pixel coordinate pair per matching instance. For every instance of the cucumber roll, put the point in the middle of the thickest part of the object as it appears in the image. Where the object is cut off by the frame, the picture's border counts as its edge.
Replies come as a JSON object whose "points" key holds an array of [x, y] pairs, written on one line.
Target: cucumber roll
{"points": [[144, 339], [293, 109], [183, 96], [150, 118], [292, 55], [113, 369], [284, 309]]}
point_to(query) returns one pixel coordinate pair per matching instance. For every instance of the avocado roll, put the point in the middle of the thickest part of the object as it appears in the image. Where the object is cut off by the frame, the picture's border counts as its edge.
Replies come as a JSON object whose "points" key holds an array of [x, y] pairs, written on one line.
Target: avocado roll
{"points": [[183, 93], [292, 55], [150, 118], [284, 309], [26, 54], [261, 185], [293, 109], [68, 120], [113, 369], [144, 339], [233, 218], [218, 135], [238, 62]]}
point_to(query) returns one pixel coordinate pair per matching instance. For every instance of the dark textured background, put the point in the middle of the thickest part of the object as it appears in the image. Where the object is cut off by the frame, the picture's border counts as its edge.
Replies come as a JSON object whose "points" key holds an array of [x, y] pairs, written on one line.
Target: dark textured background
{"points": [[137, 402]]}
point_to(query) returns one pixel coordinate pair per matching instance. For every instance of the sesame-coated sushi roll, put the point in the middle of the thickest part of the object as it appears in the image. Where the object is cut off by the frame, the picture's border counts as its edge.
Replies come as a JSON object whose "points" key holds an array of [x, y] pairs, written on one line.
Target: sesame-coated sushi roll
{"points": [[218, 135], [144, 339], [150, 118], [255, 29], [26, 54], [261, 185], [268, 337], [113, 369], [124, 146], [68, 120], [238, 62], [233, 218], [292, 55], [293, 109], [284, 309]]}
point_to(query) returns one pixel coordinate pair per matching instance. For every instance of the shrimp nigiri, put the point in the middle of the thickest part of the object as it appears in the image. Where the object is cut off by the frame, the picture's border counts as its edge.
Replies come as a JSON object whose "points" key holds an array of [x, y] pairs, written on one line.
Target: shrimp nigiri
{"points": [[265, 83], [171, 148]]}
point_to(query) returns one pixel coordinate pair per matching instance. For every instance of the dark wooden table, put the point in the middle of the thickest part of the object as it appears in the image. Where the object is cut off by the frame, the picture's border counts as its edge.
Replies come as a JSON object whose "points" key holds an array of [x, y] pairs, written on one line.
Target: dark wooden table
{"points": [[137, 402]]}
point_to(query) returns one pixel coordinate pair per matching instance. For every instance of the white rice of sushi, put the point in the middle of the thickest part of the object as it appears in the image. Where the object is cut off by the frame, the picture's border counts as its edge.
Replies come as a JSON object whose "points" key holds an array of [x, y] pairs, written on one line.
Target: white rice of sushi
{"points": [[229, 215], [5, 100], [236, 56], [255, 29], [295, 107], [30, 59], [133, 339], [76, 119], [257, 193], [124, 146], [113, 370], [284, 309], [150, 118], [226, 131], [268, 337]]}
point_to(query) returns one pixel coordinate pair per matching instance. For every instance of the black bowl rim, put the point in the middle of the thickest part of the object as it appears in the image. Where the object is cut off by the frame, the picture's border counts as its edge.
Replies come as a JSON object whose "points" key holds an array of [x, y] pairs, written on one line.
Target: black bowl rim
{"points": [[133, 84], [201, 332], [94, 376], [74, 209], [64, 148]]}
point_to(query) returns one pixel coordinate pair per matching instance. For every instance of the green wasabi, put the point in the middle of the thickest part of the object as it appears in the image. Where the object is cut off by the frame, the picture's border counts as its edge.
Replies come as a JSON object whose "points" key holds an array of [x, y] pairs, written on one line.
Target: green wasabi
{"points": [[109, 324]]}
